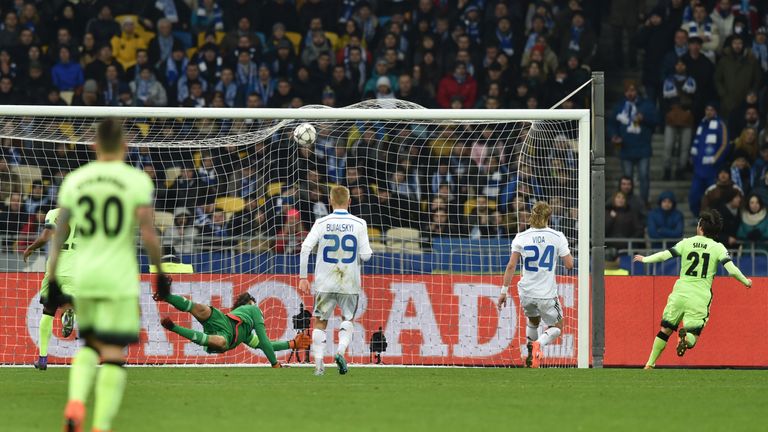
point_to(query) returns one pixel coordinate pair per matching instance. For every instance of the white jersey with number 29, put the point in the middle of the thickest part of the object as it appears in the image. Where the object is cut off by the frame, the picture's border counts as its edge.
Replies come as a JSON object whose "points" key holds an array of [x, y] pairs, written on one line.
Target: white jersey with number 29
{"points": [[539, 249], [342, 241]]}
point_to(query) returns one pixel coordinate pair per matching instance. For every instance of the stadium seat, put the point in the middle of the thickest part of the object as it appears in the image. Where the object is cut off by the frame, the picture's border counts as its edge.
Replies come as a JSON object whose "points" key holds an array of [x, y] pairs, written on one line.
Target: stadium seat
{"points": [[471, 203], [27, 174], [255, 246], [230, 204], [163, 220], [171, 174], [295, 39], [378, 248], [274, 189], [201, 38], [374, 234], [333, 39], [404, 240]]}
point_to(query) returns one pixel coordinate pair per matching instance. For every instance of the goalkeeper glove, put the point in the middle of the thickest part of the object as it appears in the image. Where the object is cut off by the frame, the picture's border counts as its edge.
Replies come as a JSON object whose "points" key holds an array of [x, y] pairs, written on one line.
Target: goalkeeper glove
{"points": [[167, 323], [301, 342], [162, 287]]}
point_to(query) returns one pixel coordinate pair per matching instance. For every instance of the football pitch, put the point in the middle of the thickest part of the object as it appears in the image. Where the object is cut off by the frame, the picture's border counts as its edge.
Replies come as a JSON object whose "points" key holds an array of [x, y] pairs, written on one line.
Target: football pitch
{"points": [[405, 399]]}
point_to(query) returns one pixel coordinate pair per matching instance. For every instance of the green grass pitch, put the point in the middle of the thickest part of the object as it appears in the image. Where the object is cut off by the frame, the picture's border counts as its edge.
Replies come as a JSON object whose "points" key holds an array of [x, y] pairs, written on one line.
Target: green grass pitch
{"points": [[405, 399]]}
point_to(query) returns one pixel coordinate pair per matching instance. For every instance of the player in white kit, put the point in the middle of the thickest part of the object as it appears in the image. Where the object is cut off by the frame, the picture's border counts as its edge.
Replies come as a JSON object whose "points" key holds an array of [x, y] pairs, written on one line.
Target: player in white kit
{"points": [[342, 241], [539, 248]]}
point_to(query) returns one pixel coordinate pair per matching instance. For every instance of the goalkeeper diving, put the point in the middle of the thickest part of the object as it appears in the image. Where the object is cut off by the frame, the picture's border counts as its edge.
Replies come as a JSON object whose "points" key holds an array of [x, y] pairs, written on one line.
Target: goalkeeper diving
{"points": [[691, 296], [65, 273], [225, 331]]}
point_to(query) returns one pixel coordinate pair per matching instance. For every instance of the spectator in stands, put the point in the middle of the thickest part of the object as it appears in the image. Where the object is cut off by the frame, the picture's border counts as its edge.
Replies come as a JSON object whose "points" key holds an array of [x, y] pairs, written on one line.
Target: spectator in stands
{"points": [[746, 115], [701, 26], [440, 226], [244, 29], [103, 26], [665, 221], [292, 233], [679, 92], [207, 16], [111, 86], [760, 166], [9, 181], [125, 45], [737, 73], [12, 219], [634, 202], [717, 194], [98, 68], [35, 85], [624, 18], [731, 219], [319, 44], [579, 39], [708, 151], [680, 46], [746, 144], [754, 223], [621, 222], [36, 198], [380, 71], [482, 222], [185, 83], [741, 173], [701, 69], [723, 18], [631, 126], [760, 49], [182, 235], [147, 90], [163, 44], [250, 221], [67, 75], [653, 38], [459, 83]]}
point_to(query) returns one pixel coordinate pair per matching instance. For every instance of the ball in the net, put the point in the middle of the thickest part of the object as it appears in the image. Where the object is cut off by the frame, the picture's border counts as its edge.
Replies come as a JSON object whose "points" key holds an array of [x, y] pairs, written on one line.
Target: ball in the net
{"points": [[304, 134]]}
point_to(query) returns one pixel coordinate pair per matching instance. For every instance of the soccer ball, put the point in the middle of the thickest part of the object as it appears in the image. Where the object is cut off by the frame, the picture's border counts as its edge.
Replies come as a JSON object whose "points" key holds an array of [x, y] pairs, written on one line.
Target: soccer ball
{"points": [[304, 134]]}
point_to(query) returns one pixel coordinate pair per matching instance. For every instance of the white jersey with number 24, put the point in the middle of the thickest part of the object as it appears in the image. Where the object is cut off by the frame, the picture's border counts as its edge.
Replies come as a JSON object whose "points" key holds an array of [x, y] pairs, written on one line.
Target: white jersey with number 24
{"points": [[540, 250]]}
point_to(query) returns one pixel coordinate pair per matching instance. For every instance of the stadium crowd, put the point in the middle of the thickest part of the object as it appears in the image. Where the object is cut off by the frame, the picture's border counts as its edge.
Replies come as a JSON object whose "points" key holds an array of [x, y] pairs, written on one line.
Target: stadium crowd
{"points": [[277, 53], [704, 85]]}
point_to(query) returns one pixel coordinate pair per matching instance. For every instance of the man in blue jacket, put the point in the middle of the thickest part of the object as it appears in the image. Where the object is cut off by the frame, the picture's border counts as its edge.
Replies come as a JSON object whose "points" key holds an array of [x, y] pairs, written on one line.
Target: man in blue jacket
{"points": [[665, 221], [631, 126], [708, 151]]}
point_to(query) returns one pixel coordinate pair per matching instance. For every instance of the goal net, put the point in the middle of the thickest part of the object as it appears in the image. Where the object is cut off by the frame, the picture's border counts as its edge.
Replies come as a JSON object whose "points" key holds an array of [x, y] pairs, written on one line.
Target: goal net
{"points": [[443, 192]]}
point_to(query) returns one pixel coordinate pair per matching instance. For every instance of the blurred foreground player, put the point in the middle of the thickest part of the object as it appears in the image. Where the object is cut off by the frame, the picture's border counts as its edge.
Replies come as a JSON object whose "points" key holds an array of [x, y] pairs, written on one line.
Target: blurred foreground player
{"points": [[105, 200]]}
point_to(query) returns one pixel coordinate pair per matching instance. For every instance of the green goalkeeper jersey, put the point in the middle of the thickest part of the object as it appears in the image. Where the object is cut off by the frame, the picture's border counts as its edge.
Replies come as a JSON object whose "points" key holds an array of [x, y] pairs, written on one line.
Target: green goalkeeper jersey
{"points": [[103, 198], [700, 257], [248, 316], [65, 258]]}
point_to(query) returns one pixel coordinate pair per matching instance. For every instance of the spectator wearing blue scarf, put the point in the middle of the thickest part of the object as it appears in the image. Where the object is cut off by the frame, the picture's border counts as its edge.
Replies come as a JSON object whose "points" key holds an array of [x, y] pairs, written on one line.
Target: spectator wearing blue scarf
{"points": [[631, 126], [709, 149]]}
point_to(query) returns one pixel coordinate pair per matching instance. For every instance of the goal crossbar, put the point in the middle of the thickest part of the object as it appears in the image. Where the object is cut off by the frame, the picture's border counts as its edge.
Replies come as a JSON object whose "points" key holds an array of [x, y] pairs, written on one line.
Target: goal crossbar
{"points": [[312, 112]]}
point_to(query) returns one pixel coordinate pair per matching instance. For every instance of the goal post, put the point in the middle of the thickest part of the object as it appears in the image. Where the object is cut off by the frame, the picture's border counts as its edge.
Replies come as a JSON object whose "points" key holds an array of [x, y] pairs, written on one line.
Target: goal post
{"points": [[431, 293]]}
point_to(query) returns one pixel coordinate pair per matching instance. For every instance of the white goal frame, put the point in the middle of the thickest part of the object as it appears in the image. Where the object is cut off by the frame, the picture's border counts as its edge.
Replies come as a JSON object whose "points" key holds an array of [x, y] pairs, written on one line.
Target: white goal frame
{"points": [[582, 116]]}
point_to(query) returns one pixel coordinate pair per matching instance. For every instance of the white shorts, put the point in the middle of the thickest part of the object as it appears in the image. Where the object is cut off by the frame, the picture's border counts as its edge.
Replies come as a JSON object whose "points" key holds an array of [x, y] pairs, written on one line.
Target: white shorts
{"points": [[325, 303], [548, 309]]}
